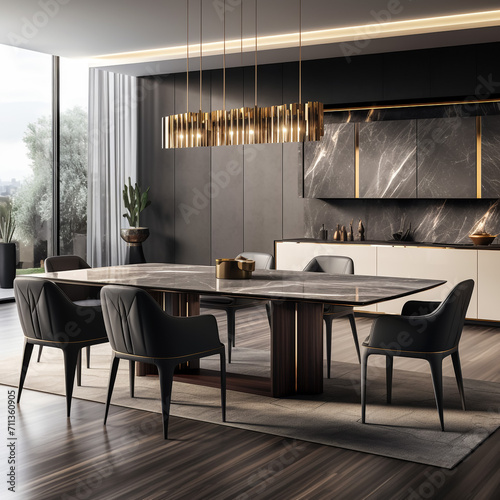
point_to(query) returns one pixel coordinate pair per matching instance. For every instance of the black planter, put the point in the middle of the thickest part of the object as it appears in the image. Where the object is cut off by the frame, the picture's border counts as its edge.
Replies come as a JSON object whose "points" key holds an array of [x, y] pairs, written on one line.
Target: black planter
{"points": [[7, 265], [134, 236]]}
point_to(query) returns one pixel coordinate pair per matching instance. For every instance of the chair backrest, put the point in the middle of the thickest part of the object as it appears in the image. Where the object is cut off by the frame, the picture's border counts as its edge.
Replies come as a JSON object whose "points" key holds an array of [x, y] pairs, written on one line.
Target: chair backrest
{"points": [[137, 325], [46, 313], [69, 263], [448, 319], [331, 264], [262, 260], [64, 263]]}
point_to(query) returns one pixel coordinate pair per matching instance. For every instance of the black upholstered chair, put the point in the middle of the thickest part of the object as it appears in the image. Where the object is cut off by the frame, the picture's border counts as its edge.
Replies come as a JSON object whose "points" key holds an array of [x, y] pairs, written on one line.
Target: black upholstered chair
{"points": [[83, 295], [232, 304], [334, 264], [426, 330], [139, 330], [49, 318]]}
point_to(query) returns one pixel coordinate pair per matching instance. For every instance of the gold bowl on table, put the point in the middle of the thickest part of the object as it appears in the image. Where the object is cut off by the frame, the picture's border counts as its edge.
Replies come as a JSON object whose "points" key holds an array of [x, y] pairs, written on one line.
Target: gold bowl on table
{"points": [[234, 269]]}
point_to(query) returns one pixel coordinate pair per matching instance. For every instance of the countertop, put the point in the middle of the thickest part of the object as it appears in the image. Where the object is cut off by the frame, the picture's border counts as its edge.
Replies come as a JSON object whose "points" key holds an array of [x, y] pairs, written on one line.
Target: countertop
{"points": [[465, 246]]}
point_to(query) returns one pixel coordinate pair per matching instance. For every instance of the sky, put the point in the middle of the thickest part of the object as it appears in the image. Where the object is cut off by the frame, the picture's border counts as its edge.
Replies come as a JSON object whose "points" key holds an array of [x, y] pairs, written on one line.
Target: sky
{"points": [[26, 94]]}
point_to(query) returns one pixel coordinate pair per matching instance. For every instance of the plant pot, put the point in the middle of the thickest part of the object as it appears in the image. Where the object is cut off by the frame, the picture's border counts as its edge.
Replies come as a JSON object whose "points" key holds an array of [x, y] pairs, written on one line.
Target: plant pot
{"points": [[134, 236], [7, 265]]}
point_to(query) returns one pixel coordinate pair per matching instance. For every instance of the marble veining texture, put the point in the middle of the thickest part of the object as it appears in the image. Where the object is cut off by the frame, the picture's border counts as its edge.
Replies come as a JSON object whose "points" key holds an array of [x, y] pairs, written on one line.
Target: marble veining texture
{"points": [[446, 158], [329, 163], [490, 156], [387, 159], [438, 221], [269, 284]]}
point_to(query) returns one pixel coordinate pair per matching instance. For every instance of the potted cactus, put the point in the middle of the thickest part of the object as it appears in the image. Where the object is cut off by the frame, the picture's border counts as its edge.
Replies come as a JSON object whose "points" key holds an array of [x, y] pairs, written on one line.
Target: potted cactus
{"points": [[135, 201], [7, 249]]}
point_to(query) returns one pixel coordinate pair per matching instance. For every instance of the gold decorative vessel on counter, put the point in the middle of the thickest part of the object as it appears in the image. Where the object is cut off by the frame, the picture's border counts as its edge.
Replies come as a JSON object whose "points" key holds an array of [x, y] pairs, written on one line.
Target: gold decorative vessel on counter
{"points": [[234, 269], [482, 238]]}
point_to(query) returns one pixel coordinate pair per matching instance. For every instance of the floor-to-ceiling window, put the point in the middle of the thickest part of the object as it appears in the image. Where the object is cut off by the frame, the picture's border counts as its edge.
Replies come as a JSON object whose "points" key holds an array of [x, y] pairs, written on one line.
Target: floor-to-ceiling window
{"points": [[26, 150], [26, 153], [73, 157]]}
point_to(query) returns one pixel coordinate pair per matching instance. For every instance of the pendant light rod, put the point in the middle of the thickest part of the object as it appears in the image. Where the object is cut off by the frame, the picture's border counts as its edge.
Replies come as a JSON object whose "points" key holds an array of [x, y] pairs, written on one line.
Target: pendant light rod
{"points": [[255, 53], [201, 46], [300, 51], [187, 56], [224, 62], [241, 34]]}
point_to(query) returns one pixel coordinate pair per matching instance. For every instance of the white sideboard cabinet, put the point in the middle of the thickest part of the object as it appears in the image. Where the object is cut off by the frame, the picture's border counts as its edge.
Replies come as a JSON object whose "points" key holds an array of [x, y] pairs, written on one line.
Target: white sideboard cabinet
{"points": [[434, 262]]}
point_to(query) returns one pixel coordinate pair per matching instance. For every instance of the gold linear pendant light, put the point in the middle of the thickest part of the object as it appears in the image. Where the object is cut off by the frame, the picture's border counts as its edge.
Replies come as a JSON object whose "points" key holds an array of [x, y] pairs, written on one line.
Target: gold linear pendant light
{"points": [[283, 123]]}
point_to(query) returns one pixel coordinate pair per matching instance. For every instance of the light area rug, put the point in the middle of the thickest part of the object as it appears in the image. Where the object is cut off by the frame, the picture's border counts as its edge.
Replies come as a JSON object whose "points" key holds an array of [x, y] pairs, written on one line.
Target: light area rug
{"points": [[408, 429]]}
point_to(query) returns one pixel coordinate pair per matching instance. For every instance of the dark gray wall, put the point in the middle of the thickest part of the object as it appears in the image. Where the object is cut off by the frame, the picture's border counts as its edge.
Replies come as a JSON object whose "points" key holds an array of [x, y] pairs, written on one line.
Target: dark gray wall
{"points": [[209, 203]]}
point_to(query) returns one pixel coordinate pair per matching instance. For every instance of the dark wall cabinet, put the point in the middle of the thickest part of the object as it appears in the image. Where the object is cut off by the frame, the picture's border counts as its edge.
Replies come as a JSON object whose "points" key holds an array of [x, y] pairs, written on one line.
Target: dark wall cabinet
{"points": [[490, 155], [424, 158], [387, 159], [329, 163], [446, 151]]}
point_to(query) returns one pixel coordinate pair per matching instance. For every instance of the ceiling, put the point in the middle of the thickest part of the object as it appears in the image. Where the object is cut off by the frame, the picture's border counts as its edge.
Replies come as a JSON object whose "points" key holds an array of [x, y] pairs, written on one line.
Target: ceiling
{"points": [[91, 28]]}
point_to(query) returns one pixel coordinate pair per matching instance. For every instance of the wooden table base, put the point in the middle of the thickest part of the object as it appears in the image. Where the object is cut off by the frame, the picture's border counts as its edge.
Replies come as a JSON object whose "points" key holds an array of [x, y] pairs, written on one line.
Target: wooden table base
{"points": [[296, 348]]}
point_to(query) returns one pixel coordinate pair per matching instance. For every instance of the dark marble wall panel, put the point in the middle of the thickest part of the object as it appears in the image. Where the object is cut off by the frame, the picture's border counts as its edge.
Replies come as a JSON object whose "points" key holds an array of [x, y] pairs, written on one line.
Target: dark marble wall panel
{"points": [[490, 156], [293, 201], [329, 163], [227, 201], [439, 221], [387, 159], [263, 216], [156, 168], [446, 158], [192, 206]]}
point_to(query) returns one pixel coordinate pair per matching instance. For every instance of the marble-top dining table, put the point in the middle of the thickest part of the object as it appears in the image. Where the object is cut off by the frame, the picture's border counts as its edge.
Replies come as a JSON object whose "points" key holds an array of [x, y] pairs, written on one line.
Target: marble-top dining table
{"points": [[297, 298]]}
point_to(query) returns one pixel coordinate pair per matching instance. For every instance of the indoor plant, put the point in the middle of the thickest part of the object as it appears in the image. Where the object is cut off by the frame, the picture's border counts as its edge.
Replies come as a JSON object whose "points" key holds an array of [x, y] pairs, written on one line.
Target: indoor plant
{"points": [[7, 249], [135, 201]]}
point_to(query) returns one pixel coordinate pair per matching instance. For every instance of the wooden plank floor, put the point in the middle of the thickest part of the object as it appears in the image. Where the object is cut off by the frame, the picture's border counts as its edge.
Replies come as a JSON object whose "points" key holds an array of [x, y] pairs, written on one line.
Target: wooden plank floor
{"points": [[78, 458]]}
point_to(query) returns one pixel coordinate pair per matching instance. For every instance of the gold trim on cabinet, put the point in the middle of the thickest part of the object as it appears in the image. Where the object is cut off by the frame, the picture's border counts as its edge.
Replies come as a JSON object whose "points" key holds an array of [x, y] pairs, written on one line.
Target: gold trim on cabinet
{"points": [[478, 157], [416, 105], [356, 160]]}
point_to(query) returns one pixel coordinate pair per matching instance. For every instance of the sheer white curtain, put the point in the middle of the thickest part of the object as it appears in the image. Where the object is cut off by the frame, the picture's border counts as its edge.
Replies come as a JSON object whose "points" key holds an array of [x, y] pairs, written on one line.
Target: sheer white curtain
{"points": [[112, 160]]}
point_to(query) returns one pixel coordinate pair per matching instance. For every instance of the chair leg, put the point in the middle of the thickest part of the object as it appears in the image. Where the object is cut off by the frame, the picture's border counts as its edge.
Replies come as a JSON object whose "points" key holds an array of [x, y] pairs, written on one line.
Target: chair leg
{"points": [[223, 384], [364, 372], [458, 375], [437, 381], [71, 356], [389, 361], [328, 325], [352, 320], [88, 356], [115, 361], [40, 348], [79, 369], [230, 331], [131, 376], [166, 376], [28, 349]]}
